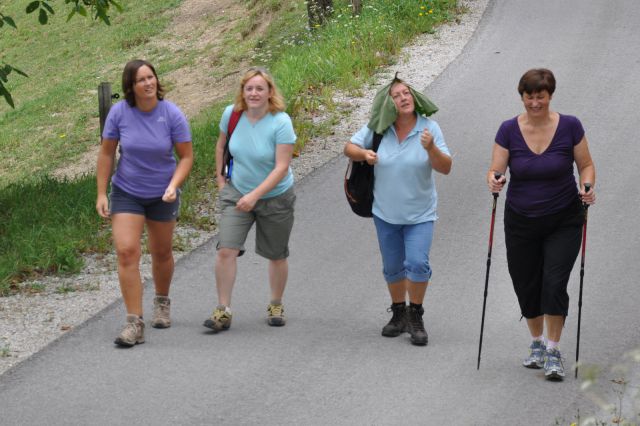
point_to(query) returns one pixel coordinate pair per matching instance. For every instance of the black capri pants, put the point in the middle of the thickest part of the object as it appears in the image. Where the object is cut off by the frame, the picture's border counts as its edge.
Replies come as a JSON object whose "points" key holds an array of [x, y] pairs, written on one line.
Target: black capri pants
{"points": [[541, 252]]}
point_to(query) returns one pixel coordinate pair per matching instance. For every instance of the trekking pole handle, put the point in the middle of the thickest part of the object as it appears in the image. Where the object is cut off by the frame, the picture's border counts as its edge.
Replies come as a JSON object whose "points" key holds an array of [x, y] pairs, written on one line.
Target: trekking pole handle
{"points": [[496, 175], [587, 188]]}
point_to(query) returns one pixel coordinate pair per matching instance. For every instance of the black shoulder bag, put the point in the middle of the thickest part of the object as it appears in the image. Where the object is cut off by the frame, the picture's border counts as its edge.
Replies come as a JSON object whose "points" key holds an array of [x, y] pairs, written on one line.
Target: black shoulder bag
{"points": [[358, 183]]}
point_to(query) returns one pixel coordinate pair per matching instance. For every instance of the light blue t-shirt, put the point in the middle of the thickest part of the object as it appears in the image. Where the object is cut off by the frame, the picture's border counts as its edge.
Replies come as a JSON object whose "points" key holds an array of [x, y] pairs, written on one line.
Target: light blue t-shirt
{"points": [[404, 191], [146, 139], [253, 147]]}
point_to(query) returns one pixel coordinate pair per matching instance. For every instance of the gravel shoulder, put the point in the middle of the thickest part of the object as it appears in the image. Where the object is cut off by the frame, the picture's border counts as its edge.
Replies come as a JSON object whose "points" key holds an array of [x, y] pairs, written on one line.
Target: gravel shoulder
{"points": [[31, 321]]}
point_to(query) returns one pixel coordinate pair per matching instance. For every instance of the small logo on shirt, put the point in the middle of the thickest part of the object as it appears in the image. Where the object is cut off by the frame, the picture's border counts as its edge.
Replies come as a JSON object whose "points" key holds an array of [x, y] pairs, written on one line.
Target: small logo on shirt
{"points": [[161, 120]]}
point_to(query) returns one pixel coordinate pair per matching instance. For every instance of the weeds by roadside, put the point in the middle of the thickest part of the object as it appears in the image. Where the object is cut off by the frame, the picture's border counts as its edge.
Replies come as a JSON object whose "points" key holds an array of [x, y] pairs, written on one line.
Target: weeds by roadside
{"points": [[614, 392]]}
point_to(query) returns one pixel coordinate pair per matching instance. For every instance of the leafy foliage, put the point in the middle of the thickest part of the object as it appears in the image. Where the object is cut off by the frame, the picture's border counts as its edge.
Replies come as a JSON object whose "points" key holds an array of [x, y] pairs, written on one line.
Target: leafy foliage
{"points": [[99, 9]]}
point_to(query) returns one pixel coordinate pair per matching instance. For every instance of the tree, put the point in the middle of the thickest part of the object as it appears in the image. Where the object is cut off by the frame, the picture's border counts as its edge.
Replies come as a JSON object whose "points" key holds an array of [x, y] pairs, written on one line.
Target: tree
{"points": [[318, 11], [97, 8]]}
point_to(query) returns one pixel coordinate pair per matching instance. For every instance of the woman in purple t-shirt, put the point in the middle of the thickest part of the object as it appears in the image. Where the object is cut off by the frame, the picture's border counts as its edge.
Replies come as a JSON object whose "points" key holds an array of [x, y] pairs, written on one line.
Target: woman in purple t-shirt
{"points": [[145, 189], [543, 212]]}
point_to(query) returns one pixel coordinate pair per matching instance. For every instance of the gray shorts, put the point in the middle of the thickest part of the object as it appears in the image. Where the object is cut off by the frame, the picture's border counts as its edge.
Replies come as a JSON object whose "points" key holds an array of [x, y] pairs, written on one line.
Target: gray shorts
{"points": [[151, 208], [273, 218]]}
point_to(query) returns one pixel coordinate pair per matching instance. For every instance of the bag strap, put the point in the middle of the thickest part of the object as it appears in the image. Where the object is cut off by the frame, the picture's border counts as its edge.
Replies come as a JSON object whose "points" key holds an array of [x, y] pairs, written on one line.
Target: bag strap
{"points": [[233, 122], [377, 138]]}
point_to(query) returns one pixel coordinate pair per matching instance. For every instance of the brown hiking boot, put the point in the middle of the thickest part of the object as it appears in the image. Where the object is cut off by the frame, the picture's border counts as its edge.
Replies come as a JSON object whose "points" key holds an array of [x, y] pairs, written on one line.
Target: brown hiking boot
{"points": [[132, 333], [161, 312]]}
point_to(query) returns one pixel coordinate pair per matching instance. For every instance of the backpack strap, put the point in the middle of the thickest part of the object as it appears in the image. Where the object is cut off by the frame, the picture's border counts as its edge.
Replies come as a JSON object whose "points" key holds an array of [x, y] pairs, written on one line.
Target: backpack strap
{"points": [[226, 155], [377, 138], [233, 122]]}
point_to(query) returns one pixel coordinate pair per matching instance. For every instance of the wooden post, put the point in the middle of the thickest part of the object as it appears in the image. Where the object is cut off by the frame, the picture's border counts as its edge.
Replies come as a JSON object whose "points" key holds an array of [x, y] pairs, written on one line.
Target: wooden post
{"points": [[104, 103], [356, 6]]}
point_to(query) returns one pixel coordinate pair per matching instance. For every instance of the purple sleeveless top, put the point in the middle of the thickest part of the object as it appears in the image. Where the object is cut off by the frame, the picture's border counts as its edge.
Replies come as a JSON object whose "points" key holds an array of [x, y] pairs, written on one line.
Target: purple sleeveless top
{"points": [[541, 184]]}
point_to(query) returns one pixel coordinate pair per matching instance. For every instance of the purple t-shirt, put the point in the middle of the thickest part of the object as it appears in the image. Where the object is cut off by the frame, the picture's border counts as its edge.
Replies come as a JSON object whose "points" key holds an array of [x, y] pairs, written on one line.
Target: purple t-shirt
{"points": [[541, 184], [146, 140]]}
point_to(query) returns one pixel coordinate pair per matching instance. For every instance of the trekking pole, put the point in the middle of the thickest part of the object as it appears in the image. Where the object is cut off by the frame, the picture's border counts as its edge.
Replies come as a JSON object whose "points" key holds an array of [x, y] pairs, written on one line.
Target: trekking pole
{"points": [[486, 281], [587, 187]]}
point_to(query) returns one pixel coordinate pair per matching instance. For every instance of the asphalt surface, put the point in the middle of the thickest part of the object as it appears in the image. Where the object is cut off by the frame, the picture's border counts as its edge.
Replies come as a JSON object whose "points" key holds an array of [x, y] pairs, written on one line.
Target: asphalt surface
{"points": [[330, 365]]}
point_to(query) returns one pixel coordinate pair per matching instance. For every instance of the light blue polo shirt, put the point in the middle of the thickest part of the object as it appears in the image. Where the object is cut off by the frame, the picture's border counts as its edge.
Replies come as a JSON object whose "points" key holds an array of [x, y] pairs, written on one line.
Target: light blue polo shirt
{"points": [[404, 191], [253, 147]]}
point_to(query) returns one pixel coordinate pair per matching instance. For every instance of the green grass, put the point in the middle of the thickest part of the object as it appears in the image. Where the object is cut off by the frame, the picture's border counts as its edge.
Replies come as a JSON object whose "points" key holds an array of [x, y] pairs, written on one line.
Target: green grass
{"points": [[45, 228], [46, 225], [56, 107]]}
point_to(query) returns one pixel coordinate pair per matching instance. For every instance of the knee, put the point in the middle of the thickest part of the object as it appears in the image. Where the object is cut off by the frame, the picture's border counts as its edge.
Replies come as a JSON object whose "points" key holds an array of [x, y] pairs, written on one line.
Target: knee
{"points": [[418, 270], [225, 255], [163, 255], [128, 256], [419, 265]]}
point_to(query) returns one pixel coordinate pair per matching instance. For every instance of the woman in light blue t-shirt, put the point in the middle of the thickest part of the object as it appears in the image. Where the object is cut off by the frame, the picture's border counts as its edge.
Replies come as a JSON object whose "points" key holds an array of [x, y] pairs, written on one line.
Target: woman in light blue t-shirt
{"points": [[258, 189], [405, 199]]}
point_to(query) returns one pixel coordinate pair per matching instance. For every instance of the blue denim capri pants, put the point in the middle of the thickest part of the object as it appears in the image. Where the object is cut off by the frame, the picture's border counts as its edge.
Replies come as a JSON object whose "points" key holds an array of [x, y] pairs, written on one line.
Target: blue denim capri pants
{"points": [[405, 250]]}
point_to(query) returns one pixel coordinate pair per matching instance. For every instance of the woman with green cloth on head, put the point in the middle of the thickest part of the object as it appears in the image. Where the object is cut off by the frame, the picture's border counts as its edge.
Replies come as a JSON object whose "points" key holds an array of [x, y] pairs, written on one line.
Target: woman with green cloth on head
{"points": [[405, 198]]}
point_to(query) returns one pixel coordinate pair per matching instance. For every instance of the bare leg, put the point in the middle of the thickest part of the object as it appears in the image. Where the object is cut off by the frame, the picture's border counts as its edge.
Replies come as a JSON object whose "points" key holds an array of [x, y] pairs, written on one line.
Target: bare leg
{"points": [[417, 291], [161, 249], [226, 268], [536, 326], [278, 274], [398, 291], [554, 326], [127, 230]]}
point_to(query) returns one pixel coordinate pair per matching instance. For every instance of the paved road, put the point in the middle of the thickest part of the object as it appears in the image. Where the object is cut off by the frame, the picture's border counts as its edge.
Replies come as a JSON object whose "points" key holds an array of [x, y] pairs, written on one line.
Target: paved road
{"points": [[329, 365]]}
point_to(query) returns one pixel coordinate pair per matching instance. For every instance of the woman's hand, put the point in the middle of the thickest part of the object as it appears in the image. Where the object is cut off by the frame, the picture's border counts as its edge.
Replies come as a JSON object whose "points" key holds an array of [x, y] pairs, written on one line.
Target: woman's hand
{"points": [[247, 202], [495, 185], [370, 157], [170, 194], [426, 139], [102, 206], [588, 198]]}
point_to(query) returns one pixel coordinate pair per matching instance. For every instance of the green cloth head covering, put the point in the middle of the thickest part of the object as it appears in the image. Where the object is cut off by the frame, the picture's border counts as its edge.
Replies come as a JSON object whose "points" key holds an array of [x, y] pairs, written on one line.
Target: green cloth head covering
{"points": [[384, 112]]}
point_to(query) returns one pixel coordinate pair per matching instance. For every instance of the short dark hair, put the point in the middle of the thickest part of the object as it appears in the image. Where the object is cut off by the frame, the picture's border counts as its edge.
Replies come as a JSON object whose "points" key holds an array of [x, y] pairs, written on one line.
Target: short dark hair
{"points": [[129, 80], [537, 80]]}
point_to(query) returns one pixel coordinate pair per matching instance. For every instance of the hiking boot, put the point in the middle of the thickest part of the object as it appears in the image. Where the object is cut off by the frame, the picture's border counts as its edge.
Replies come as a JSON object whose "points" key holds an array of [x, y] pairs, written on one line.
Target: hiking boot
{"points": [[536, 355], [132, 333], [220, 319], [415, 326], [275, 317], [553, 368], [398, 322], [161, 312]]}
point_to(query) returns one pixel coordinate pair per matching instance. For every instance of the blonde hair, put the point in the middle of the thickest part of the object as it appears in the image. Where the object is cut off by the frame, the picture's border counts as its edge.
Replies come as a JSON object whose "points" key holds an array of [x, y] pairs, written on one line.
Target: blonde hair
{"points": [[276, 100]]}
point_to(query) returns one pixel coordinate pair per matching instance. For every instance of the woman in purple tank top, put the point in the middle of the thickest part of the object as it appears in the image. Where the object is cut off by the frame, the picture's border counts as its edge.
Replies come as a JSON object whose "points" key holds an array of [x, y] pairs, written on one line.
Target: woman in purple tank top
{"points": [[543, 211]]}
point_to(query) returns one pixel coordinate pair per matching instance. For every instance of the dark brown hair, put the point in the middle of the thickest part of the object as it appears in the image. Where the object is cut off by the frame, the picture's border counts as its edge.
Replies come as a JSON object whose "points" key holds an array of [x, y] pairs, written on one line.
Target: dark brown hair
{"points": [[129, 80], [537, 80]]}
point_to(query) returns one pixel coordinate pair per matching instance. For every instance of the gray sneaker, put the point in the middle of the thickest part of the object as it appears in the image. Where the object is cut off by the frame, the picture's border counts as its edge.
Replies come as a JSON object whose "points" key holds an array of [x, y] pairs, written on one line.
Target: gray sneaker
{"points": [[275, 315], [220, 319], [161, 312], [553, 368], [536, 355], [132, 333]]}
